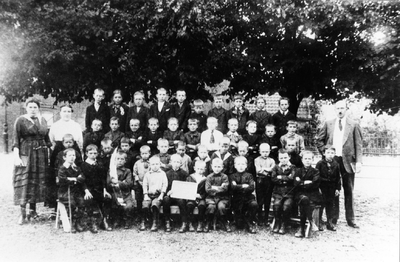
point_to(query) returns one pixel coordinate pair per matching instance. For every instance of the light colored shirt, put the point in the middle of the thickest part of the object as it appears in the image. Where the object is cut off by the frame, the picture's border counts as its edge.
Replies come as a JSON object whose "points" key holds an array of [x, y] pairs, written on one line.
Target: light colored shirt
{"points": [[338, 136], [155, 182], [140, 168], [61, 128], [262, 164], [205, 139]]}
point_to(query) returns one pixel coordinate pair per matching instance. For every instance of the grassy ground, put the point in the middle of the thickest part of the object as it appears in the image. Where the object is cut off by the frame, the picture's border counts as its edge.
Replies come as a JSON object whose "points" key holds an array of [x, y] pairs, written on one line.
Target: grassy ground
{"points": [[377, 213]]}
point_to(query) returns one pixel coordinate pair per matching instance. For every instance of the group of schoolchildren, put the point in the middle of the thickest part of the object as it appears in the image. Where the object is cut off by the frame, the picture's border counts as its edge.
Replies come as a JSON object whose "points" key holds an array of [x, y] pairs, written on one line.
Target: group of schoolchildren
{"points": [[239, 161]]}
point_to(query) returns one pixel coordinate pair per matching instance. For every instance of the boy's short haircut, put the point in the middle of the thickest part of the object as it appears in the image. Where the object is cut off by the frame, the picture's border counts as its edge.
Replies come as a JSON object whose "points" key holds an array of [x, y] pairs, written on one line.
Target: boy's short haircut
{"points": [[201, 147], [217, 160], [284, 98], [138, 93], [101, 123], [238, 97], [68, 137], [265, 146], [122, 153], [68, 150], [91, 147], [180, 143], [251, 122], [153, 120], [145, 149], [200, 163], [233, 120], [292, 122], [117, 91], [225, 141], [134, 120], [211, 118], [270, 125], [155, 159], [191, 120], [106, 141], [261, 98], [162, 141], [176, 157], [114, 118], [218, 97], [240, 158], [332, 148], [172, 119], [181, 90], [283, 151], [242, 143], [162, 89], [306, 152], [125, 140], [99, 90], [198, 102]]}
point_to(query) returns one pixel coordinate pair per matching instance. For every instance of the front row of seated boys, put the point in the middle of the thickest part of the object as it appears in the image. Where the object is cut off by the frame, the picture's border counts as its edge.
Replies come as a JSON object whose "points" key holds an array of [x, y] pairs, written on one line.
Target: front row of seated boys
{"points": [[223, 192]]}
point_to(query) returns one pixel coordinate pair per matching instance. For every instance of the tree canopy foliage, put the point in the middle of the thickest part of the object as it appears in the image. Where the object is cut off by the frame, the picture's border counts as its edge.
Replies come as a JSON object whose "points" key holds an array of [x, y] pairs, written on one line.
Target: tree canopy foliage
{"points": [[299, 48]]}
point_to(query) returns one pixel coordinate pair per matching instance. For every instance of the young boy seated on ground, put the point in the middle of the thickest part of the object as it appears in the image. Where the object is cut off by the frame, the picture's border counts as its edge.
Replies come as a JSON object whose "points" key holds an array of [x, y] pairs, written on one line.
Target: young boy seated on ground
{"points": [[155, 184], [120, 181], [151, 135], [135, 136], [294, 156], [217, 199], [186, 160], [198, 114], [165, 158], [175, 173], [140, 168], [173, 135], [202, 155], [98, 200], [272, 140], [105, 154], [330, 185], [219, 113], [306, 182], [282, 177], [71, 189], [251, 137], [261, 116], [233, 135], [200, 179], [225, 156], [114, 134], [244, 203], [291, 135], [211, 137], [263, 166], [94, 135], [192, 138]]}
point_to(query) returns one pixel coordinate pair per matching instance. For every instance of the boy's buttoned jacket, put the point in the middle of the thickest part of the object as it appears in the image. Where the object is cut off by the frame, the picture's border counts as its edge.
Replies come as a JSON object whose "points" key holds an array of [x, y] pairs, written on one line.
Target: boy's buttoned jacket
{"points": [[283, 186], [310, 190]]}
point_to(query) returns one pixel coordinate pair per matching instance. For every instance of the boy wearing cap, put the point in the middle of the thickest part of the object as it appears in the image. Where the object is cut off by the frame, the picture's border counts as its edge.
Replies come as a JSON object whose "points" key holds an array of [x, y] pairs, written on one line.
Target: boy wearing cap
{"points": [[239, 112], [198, 114]]}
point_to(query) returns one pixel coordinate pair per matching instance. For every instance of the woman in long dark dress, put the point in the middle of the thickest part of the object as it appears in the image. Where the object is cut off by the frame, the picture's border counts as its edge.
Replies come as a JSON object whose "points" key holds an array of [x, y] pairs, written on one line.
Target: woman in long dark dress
{"points": [[30, 149]]}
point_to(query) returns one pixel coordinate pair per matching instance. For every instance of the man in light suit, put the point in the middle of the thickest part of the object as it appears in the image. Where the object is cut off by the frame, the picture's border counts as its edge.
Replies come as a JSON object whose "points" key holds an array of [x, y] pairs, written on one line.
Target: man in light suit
{"points": [[345, 135]]}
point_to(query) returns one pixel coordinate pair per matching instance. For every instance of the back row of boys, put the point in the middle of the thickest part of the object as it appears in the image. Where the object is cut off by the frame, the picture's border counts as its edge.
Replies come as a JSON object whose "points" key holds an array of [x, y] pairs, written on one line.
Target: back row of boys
{"points": [[210, 143]]}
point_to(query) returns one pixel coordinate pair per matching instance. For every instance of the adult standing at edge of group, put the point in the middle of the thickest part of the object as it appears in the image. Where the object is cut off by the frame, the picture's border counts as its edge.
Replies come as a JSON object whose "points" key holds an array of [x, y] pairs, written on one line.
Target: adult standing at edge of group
{"points": [[280, 118], [345, 135], [65, 125], [30, 148]]}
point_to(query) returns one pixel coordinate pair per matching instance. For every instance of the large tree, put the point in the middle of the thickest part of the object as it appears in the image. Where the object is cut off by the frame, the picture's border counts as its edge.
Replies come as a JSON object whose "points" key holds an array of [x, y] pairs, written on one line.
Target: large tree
{"points": [[296, 47]]}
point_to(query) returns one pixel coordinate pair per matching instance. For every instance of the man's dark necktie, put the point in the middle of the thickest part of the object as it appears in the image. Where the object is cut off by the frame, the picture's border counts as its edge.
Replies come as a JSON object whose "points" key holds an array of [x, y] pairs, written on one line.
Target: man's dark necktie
{"points": [[340, 125], [212, 139]]}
